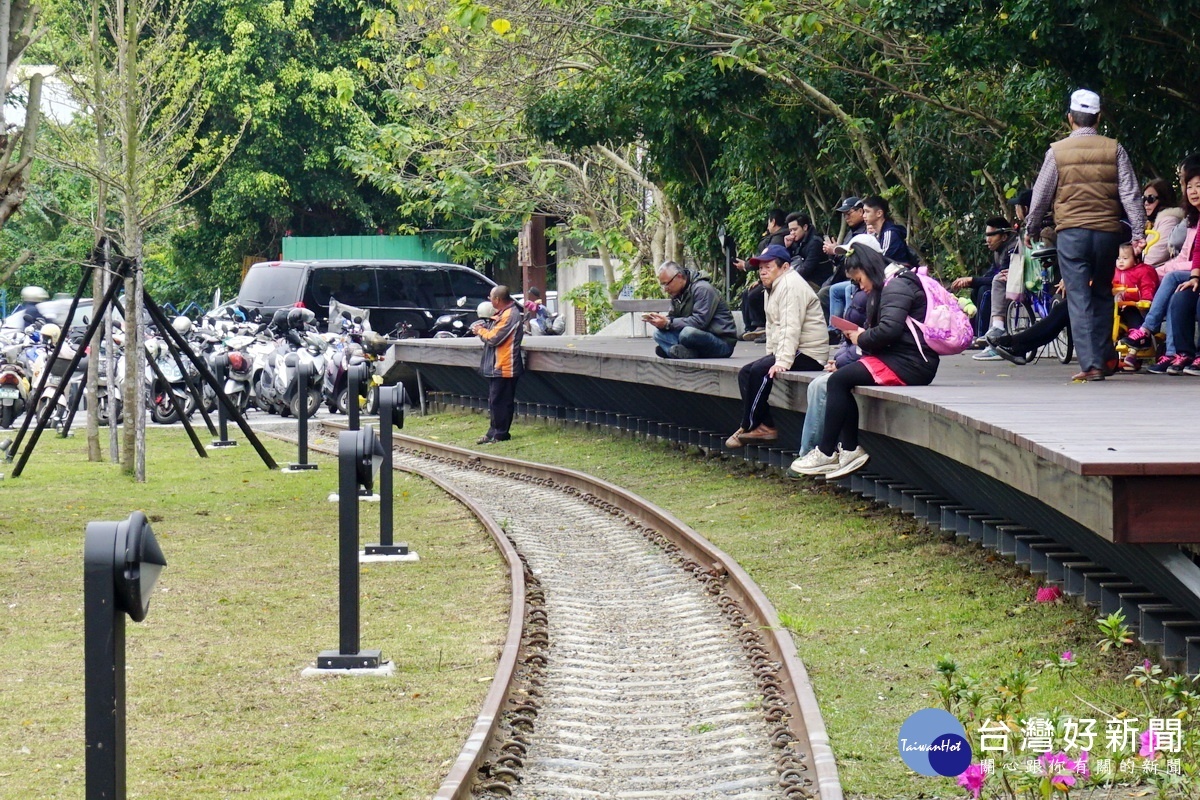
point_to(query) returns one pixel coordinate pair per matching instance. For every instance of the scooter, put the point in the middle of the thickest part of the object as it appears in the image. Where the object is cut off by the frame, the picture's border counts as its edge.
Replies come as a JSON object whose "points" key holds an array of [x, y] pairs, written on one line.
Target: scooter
{"points": [[14, 385], [278, 388]]}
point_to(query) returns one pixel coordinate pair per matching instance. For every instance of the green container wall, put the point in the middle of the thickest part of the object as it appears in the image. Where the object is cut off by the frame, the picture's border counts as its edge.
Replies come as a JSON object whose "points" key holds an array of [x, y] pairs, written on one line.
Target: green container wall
{"points": [[409, 248]]}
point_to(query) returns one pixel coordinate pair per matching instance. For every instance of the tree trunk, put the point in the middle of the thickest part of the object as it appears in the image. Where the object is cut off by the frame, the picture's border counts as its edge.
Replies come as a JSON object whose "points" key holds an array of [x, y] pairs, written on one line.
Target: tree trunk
{"points": [[102, 340]]}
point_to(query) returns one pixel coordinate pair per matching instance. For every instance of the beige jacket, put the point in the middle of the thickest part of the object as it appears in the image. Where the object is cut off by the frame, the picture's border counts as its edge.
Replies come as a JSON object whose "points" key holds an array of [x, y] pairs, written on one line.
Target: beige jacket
{"points": [[795, 322]]}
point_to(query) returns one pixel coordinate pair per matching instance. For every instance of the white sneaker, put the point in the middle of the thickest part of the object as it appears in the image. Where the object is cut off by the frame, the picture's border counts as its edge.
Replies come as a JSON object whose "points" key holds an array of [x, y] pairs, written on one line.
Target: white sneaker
{"points": [[814, 462], [848, 461], [988, 354]]}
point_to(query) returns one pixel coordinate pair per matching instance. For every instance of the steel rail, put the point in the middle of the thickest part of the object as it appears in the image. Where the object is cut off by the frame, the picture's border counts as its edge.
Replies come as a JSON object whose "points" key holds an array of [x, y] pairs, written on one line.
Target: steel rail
{"points": [[803, 719]]}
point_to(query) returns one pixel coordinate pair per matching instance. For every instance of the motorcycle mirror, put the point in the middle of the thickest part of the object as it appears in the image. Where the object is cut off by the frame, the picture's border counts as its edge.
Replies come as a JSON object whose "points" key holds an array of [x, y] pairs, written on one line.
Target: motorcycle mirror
{"points": [[462, 301], [721, 236], [87, 320], [358, 320], [217, 297], [346, 315]]}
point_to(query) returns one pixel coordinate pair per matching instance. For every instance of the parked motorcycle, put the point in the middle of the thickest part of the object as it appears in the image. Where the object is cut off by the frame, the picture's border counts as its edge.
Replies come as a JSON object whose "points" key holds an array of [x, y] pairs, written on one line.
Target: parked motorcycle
{"points": [[277, 390]]}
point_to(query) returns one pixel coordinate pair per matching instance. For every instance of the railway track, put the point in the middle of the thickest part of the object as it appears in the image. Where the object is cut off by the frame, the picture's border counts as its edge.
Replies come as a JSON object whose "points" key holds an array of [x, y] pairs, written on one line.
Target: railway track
{"points": [[641, 661]]}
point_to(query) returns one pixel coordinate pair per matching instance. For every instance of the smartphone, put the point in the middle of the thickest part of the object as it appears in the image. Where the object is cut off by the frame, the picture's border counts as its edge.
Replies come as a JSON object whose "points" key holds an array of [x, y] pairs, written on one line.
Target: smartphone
{"points": [[842, 324]]}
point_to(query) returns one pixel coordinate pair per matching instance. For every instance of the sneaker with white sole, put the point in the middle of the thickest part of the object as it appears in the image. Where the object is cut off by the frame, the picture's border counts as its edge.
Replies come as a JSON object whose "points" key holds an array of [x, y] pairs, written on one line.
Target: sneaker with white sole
{"points": [[988, 354], [810, 459], [848, 461], [815, 463]]}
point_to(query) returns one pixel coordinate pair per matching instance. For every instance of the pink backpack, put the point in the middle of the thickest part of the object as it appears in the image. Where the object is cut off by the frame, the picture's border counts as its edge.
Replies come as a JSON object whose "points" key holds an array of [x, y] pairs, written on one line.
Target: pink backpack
{"points": [[946, 327]]}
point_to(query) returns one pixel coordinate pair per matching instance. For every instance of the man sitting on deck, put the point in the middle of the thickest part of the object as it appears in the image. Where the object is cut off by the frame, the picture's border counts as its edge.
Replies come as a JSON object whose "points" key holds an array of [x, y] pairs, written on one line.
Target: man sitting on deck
{"points": [[699, 324], [796, 340]]}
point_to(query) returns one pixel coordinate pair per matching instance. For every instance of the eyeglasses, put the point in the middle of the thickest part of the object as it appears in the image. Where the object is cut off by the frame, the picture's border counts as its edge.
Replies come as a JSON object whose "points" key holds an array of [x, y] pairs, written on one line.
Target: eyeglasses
{"points": [[667, 282], [1149, 198]]}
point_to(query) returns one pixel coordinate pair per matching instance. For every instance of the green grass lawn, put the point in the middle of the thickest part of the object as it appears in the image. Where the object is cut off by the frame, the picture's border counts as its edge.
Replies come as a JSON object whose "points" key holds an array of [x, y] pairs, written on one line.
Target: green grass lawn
{"points": [[873, 600], [216, 704]]}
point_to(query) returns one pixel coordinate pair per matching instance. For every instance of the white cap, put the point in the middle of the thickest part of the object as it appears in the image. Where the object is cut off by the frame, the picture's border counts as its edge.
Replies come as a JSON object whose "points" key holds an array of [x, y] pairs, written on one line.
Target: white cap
{"points": [[1085, 101], [866, 240]]}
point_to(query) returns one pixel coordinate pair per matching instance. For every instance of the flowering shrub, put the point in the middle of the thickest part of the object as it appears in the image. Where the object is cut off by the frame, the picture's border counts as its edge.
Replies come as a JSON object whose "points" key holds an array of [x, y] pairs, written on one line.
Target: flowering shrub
{"points": [[1048, 754]]}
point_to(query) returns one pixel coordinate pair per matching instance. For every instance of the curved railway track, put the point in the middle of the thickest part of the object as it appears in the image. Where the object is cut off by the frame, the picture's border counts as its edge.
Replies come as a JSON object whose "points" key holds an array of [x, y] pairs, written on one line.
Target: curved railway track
{"points": [[640, 662]]}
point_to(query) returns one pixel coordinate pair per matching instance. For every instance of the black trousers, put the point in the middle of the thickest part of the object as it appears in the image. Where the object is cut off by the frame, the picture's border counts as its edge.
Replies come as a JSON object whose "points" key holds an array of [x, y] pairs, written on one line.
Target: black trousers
{"points": [[501, 394], [754, 307], [756, 388]]}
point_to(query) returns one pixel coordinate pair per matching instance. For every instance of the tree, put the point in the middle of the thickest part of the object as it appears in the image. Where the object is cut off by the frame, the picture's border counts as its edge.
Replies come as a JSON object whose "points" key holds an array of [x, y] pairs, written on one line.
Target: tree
{"points": [[144, 85], [304, 70]]}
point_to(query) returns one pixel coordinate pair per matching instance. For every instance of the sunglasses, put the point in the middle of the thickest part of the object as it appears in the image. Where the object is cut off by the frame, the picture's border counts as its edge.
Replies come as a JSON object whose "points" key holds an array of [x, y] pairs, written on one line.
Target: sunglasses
{"points": [[1149, 198]]}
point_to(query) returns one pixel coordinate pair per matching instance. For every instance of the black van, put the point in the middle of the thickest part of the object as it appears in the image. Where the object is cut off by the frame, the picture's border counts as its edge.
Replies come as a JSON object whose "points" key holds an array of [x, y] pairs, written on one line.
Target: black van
{"points": [[395, 292]]}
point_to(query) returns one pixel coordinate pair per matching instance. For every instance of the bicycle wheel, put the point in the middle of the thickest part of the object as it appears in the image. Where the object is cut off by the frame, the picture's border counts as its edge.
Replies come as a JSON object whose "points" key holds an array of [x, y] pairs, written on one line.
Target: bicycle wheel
{"points": [[1019, 316]]}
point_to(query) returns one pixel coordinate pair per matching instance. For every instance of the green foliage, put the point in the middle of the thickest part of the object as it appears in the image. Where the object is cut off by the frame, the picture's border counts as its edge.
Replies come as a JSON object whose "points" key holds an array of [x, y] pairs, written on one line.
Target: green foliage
{"points": [[1114, 633], [592, 298]]}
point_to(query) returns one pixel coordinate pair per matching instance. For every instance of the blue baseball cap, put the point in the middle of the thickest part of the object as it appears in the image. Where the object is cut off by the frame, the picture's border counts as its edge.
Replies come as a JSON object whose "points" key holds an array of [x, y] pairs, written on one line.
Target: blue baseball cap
{"points": [[770, 253]]}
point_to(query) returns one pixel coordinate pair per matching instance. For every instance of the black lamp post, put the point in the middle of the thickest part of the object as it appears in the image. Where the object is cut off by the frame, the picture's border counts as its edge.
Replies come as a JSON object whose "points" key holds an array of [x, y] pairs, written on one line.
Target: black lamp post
{"points": [[220, 368], [304, 373], [121, 564], [358, 383], [391, 414], [359, 456]]}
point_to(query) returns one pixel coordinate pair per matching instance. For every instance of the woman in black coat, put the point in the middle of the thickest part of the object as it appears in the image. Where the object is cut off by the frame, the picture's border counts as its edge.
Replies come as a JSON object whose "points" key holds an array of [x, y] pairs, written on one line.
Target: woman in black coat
{"points": [[894, 354]]}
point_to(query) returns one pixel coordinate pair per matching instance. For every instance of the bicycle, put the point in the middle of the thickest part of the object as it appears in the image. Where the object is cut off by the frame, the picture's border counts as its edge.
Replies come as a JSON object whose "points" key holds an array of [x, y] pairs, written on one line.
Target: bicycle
{"points": [[1036, 303]]}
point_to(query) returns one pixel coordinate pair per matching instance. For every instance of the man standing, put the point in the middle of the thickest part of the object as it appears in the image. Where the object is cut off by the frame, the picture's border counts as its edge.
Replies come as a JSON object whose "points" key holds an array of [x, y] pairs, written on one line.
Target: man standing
{"points": [[699, 325], [502, 362], [754, 298], [796, 340], [1089, 180], [808, 254]]}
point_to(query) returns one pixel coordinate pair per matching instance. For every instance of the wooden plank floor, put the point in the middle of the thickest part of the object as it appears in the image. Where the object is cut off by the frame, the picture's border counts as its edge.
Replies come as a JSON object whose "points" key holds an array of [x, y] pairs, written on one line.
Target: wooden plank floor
{"points": [[1119, 456], [1127, 425]]}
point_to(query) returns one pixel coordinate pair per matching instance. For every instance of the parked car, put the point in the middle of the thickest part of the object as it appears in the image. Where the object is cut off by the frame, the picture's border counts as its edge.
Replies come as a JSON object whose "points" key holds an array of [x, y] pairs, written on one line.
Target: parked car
{"points": [[401, 295]]}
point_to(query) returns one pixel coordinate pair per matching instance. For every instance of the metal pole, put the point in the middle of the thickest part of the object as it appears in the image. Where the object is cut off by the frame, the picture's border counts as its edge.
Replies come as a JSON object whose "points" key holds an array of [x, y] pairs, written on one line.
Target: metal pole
{"points": [[348, 630], [353, 387], [220, 364], [390, 399], [104, 674], [303, 372], [387, 403]]}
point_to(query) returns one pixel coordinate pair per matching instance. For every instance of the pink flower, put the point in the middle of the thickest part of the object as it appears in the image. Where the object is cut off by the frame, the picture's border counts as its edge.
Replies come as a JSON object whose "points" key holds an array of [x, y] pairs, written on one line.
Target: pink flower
{"points": [[1146, 665], [1067, 656], [1149, 745], [1048, 594], [972, 779], [1061, 769]]}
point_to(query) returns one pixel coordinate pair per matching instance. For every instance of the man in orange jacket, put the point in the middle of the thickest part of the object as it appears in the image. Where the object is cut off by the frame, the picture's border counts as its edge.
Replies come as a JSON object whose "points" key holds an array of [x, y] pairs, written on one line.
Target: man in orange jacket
{"points": [[502, 362]]}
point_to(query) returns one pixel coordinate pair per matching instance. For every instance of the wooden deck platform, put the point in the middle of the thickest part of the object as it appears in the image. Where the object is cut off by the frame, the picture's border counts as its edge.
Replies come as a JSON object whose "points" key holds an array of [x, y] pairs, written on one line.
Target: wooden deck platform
{"points": [[1120, 458]]}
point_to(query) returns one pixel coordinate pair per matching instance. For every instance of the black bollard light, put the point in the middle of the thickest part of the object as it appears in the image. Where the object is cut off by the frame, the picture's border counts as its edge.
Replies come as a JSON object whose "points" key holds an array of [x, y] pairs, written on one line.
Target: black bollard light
{"points": [[391, 414], [304, 373], [220, 368], [359, 456], [121, 564], [358, 382]]}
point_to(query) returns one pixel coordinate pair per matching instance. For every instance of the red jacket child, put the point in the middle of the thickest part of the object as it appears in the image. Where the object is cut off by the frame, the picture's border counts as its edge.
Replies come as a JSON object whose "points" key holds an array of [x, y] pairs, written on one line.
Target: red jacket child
{"points": [[1139, 279]]}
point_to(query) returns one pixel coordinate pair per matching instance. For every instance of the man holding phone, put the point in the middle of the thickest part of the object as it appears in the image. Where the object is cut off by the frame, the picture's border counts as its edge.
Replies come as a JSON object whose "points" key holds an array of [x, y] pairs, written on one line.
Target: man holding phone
{"points": [[699, 324]]}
